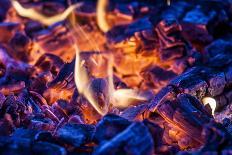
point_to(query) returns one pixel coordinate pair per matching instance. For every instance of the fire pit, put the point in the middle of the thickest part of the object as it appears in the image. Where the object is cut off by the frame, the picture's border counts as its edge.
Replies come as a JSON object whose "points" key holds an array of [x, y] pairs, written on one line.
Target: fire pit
{"points": [[115, 77]]}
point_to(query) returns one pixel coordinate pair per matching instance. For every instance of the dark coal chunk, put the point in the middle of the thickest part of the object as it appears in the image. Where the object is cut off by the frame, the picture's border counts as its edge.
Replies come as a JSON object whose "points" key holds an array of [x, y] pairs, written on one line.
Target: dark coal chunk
{"points": [[219, 47], [110, 126], [156, 76], [216, 83], [75, 134], [199, 16], [191, 82], [156, 132], [216, 137], [228, 76], [135, 112], [45, 148], [136, 139], [25, 133], [11, 146]]}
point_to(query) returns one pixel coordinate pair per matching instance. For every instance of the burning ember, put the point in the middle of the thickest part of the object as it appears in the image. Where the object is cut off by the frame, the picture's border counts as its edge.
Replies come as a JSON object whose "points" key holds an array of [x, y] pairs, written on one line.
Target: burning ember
{"points": [[115, 77]]}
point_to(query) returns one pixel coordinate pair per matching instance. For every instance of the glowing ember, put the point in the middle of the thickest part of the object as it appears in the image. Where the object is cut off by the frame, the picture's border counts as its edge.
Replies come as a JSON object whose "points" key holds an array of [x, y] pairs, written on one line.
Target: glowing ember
{"points": [[211, 102]]}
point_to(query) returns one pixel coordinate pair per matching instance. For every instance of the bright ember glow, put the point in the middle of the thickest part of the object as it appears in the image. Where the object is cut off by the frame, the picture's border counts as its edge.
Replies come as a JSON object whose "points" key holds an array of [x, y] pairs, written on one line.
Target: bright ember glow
{"points": [[34, 15], [211, 102]]}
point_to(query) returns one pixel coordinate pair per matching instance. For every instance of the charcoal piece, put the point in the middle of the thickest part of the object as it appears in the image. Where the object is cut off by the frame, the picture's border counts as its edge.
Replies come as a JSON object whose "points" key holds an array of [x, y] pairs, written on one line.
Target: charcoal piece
{"points": [[218, 25], [50, 62], [44, 136], [197, 34], [217, 83], [219, 60], [32, 27], [221, 101], [46, 148], [228, 76], [64, 74], [228, 96], [191, 82], [135, 112], [216, 137], [110, 126], [11, 145], [75, 119], [187, 114], [2, 99], [14, 108], [156, 132], [219, 47], [136, 139], [6, 125], [20, 44], [199, 16], [41, 123], [24, 133], [165, 94], [75, 134], [8, 29], [171, 42], [157, 76]]}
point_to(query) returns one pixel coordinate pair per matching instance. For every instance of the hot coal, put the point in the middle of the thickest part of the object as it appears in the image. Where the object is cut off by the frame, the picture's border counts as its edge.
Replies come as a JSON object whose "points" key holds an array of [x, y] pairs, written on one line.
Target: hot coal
{"points": [[177, 54]]}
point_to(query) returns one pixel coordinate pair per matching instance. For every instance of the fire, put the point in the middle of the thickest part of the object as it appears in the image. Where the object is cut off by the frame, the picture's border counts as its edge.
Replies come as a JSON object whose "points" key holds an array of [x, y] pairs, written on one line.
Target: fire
{"points": [[118, 98], [34, 15], [101, 15], [211, 102]]}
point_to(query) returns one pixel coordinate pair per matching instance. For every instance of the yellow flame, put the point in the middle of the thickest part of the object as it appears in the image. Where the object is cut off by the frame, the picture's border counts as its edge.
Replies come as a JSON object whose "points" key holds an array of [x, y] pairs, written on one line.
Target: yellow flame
{"points": [[34, 15], [124, 97], [101, 15], [211, 102], [82, 82]]}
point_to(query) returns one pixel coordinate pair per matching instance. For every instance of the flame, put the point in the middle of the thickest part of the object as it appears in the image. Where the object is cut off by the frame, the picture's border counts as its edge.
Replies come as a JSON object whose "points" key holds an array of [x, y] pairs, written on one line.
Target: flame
{"points": [[169, 2], [124, 97], [118, 98], [82, 82], [101, 15], [34, 15], [211, 102]]}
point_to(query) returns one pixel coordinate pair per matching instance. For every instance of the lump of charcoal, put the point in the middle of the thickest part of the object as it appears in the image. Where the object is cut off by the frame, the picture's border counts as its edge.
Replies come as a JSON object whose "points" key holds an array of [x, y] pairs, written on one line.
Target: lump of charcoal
{"points": [[163, 95], [15, 108], [136, 140], [157, 76], [8, 29], [6, 125], [75, 134], [24, 133], [20, 44], [219, 60], [199, 16], [32, 27], [216, 83], [156, 132], [41, 123], [45, 148], [219, 47], [5, 5], [110, 126], [191, 83], [171, 42], [135, 112], [216, 137], [228, 76], [12, 145]]}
